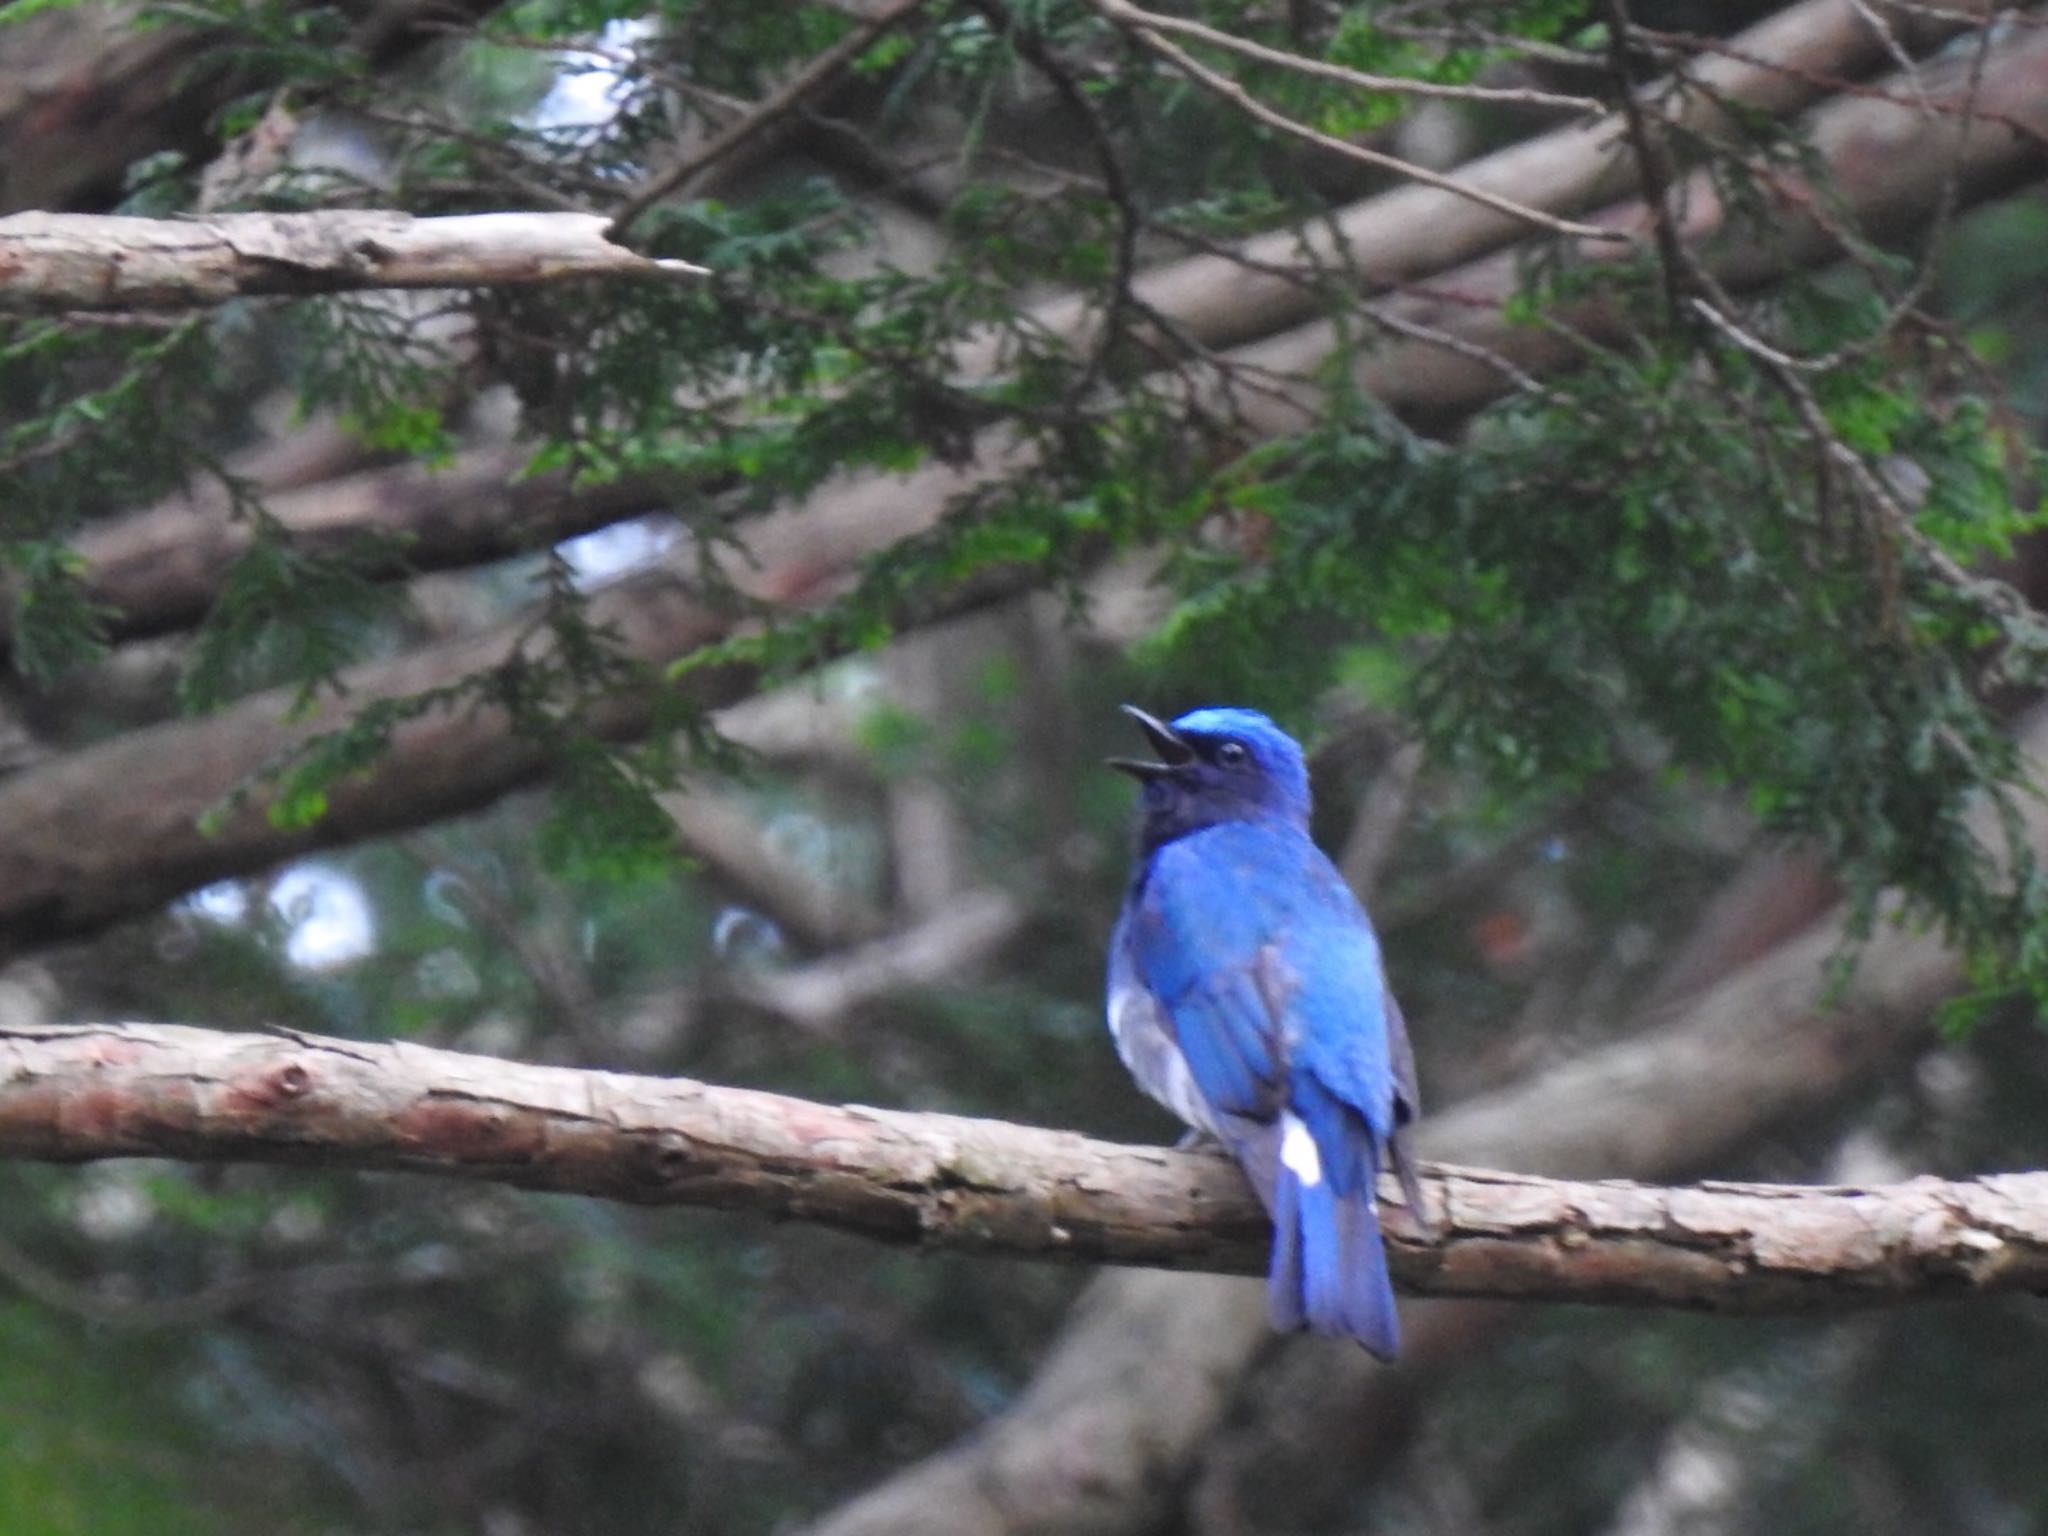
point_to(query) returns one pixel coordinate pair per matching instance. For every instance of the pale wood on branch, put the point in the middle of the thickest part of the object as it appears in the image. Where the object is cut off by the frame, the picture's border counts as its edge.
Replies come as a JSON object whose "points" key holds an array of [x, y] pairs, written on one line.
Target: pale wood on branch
{"points": [[80, 261], [78, 849], [73, 1093], [1413, 234]]}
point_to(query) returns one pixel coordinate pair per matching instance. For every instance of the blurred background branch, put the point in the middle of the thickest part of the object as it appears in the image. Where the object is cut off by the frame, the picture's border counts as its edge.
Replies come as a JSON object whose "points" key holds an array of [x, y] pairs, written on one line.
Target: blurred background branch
{"points": [[703, 679]]}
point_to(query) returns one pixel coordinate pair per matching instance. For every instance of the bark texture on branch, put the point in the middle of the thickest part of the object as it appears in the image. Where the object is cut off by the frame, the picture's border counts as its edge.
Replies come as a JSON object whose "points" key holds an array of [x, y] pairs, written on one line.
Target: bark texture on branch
{"points": [[1888, 168], [85, 92], [1103, 1441], [160, 568], [79, 261], [79, 849], [82, 1092], [114, 829], [1777, 67]]}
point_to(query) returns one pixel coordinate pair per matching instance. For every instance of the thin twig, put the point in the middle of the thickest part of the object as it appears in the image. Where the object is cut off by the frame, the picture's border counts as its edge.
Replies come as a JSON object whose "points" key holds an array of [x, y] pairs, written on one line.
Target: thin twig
{"points": [[1467, 35], [1116, 188], [780, 104], [1521, 379], [1790, 376], [1654, 42], [1128, 15], [1227, 367], [1893, 48], [1653, 159], [1230, 90]]}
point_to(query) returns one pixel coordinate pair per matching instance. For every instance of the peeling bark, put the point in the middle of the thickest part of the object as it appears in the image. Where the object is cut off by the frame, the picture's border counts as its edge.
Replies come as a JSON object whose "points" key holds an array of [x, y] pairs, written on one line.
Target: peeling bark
{"points": [[79, 261], [84, 1092]]}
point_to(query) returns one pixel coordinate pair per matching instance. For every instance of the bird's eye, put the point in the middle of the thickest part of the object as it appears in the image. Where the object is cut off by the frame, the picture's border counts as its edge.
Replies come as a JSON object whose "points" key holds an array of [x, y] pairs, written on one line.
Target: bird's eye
{"points": [[1231, 753]]}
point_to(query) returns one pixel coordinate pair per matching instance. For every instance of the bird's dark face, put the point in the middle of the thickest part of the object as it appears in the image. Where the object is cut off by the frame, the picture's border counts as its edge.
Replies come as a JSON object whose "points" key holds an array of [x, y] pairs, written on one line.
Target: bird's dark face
{"points": [[1216, 765]]}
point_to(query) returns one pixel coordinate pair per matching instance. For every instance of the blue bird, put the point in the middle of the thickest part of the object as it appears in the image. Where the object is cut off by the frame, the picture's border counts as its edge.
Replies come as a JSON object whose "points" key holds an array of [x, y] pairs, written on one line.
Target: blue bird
{"points": [[1246, 995]]}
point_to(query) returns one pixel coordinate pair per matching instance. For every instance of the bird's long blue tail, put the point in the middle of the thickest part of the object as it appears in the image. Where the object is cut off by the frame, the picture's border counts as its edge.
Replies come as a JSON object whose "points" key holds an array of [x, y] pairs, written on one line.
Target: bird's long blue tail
{"points": [[1329, 1271]]}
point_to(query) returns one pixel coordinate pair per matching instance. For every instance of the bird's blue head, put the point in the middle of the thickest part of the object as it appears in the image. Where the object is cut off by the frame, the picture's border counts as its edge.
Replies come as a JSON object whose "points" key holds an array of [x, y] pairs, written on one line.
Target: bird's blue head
{"points": [[1216, 765]]}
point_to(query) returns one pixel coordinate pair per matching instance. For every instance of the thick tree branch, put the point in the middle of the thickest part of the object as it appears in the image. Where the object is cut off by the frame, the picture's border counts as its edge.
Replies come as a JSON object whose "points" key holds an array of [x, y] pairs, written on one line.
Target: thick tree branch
{"points": [[51, 261], [1107, 1434], [77, 261], [79, 849], [718, 831], [77, 1093], [970, 929], [160, 568], [1777, 67]]}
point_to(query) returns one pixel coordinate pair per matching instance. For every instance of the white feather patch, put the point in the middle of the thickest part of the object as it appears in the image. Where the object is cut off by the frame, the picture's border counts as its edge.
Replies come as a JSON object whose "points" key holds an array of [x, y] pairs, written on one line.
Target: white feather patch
{"points": [[1298, 1150], [1153, 1058], [1131, 1022], [1121, 1002]]}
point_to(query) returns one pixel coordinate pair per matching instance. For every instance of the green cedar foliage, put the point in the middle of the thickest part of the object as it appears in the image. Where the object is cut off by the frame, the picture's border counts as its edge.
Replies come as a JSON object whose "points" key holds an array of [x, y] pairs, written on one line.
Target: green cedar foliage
{"points": [[1658, 543], [1658, 547]]}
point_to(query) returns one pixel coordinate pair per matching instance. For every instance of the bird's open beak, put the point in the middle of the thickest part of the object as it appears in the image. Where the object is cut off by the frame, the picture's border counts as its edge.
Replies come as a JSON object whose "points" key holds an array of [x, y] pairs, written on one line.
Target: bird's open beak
{"points": [[1171, 749]]}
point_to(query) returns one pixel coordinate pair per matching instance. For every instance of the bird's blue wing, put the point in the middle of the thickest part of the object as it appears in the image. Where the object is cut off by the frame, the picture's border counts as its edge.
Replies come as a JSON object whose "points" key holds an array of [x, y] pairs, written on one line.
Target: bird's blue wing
{"points": [[1246, 993], [1262, 964], [1194, 947], [1343, 1011], [1145, 1037]]}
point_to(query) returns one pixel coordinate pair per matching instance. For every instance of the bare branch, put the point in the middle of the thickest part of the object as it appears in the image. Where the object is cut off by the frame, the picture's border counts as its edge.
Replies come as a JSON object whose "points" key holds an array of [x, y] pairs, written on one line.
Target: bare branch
{"points": [[160, 568], [85, 1092], [1370, 842], [715, 828], [1403, 234], [1126, 14], [83, 261], [964, 935], [1886, 161], [1234, 93], [1888, 169], [202, 1306], [1703, 1478], [78, 848], [786, 100], [1109, 1432]]}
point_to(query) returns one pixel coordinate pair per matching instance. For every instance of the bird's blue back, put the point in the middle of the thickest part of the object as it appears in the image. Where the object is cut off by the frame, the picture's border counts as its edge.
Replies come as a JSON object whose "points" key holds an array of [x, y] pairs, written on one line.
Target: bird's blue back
{"points": [[1219, 920], [1246, 993]]}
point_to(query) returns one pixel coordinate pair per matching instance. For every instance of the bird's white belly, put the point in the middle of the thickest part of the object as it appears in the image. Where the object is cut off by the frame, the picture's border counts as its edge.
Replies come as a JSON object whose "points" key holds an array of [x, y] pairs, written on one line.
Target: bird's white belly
{"points": [[1154, 1059]]}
